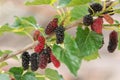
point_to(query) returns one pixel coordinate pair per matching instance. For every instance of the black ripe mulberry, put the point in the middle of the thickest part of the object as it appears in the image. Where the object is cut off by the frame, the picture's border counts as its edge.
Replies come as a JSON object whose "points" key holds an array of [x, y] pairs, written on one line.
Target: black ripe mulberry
{"points": [[25, 60], [34, 61], [113, 40], [87, 20], [51, 26], [95, 7], [59, 31], [44, 59]]}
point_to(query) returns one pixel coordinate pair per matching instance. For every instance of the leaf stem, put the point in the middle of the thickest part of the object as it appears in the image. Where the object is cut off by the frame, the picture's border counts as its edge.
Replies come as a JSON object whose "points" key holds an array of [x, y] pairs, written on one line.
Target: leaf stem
{"points": [[111, 24], [29, 36]]}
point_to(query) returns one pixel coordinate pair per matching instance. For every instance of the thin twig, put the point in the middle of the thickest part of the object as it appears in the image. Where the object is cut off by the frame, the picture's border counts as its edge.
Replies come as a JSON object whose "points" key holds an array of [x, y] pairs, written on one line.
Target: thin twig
{"points": [[30, 46]]}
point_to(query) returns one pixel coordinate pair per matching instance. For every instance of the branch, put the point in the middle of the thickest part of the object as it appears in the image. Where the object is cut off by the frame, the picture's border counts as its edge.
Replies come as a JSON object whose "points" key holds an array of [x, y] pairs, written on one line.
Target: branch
{"points": [[30, 46], [74, 24]]}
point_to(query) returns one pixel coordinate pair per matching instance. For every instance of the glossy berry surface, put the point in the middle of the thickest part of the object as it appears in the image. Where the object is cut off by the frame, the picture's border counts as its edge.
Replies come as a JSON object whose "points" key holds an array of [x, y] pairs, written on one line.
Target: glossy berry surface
{"points": [[95, 7], [51, 26], [87, 20], [97, 25], [59, 31], [113, 40], [25, 60], [34, 61], [44, 58]]}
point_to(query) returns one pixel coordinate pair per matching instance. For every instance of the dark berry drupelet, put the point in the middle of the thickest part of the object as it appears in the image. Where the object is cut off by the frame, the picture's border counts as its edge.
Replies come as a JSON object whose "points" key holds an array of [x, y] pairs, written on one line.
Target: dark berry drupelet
{"points": [[51, 26], [25, 60], [34, 61], [44, 59], [49, 51], [113, 40], [96, 7], [87, 20], [59, 31]]}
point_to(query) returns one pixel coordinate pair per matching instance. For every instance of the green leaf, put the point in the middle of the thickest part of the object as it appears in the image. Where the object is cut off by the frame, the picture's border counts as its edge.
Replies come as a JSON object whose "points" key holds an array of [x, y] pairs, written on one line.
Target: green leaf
{"points": [[4, 77], [52, 74], [21, 25], [63, 3], [68, 55], [24, 25], [17, 72], [5, 52], [78, 12], [92, 56], [78, 2], [88, 41], [24, 22], [39, 2], [3, 64], [40, 78], [5, 28], [29, 76], [117, 11]]}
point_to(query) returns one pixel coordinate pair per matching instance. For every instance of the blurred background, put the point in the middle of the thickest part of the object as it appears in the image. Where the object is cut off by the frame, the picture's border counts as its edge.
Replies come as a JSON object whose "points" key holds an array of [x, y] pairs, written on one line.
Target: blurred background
{"points": [[107, 67]]}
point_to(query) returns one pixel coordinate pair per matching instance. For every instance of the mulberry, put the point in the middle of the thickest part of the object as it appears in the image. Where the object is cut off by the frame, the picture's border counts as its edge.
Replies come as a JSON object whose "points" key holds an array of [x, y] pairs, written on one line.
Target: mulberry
{"points": [[53, 59], [59, 31], [97, 25], [113, 40], [25, 60], [87, 20], [96, 7], [40, 45], [34, 61], [36, 35], [51, 26], [41, 39], [44, 58]]}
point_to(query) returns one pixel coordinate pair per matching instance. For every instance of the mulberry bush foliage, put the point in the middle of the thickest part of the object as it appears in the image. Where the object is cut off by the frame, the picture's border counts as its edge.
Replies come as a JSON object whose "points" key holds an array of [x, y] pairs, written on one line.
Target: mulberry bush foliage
{"points": [[55, 45]]}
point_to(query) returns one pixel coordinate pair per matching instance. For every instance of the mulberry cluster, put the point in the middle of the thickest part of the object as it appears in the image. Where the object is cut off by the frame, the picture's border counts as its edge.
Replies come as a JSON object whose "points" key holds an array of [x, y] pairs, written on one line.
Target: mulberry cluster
{"points": [[25, 60], [95, 7], [87, 20], [46, 57], [113, 40], [53, 59], [51, 26], [34, 61], [59, 31]]}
